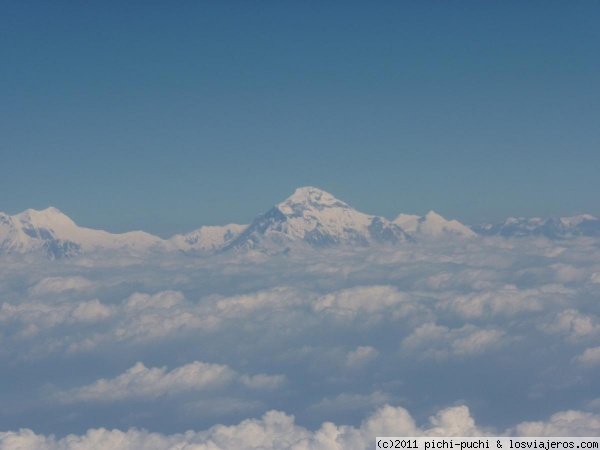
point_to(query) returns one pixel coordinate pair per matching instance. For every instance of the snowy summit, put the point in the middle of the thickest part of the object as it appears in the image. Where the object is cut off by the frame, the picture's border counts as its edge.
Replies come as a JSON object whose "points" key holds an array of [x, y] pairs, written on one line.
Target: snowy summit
{"points": [[432, 225], [310, 217], [313, 216], [54, 233]]}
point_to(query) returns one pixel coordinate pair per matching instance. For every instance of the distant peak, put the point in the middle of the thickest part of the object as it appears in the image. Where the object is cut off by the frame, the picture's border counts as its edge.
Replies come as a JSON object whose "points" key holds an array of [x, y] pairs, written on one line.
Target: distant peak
{"points": [[50, 215], [51, 211], [433, 215]]}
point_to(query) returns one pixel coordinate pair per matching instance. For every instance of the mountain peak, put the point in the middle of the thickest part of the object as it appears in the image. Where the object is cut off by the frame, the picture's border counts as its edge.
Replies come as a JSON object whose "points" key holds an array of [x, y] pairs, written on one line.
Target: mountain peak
{"points": [[432, 215], [49, 217], [432, 225], [317, 218], [309, 198]]}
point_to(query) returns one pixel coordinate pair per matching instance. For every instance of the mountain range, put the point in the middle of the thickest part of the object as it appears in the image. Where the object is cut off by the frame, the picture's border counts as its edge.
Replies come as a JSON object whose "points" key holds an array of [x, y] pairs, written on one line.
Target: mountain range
{"points": [[552, 228], [310, 217]]}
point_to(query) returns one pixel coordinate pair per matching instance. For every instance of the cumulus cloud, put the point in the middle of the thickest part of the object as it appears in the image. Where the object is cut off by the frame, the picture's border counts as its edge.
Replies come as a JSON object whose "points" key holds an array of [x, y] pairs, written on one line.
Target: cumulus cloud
{"points": [[360, 356], [440, 342], [589, 358], [278, 431], [573, 325], [565, 423], [338, 329], [277, 299], [503, 300], [349, 402], [368, 303], [275, 430], [141, 382], [56, 285], [263, 381], [33, 317]]}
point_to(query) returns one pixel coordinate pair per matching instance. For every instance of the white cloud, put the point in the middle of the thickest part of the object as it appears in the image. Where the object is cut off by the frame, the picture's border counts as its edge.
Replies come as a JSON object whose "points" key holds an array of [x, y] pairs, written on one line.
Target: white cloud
{"points": [[370, 304], [277, 299], [455, 421], [56, 285], [440, 342], [278, 431], [161, 300], [595, 278], [262, 381], [94, 439], [567, 273], [565, 423], [349, 402], [573, 325], [506, 300], [34, 317], [593, 404], [360, 356], [141, 382], [306, 328], [274, 431], [589, 358]]}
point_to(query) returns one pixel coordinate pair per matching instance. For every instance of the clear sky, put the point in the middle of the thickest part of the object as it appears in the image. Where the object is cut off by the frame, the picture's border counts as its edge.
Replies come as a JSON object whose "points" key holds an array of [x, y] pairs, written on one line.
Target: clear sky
{"points": [[165, 116]]}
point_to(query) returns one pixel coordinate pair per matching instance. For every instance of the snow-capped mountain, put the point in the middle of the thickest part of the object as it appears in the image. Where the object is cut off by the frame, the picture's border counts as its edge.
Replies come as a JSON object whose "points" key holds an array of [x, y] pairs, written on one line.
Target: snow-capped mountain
{"points": [[53, 232], [432, 225], [315, 217], [310, 217], [553, 228], [207, 238]]}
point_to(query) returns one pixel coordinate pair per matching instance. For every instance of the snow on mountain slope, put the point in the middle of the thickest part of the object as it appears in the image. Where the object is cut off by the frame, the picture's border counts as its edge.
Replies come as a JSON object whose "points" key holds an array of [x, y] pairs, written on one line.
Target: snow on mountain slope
{"points": [[207, 238], [553, 228], [317, 218], [432, 225], [52, 231], [309, 217]]}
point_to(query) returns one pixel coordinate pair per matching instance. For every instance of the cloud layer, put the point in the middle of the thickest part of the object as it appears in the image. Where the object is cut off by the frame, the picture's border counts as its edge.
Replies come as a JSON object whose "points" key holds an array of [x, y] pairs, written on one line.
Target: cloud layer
{"points": [[508, 328], [278, 431]]}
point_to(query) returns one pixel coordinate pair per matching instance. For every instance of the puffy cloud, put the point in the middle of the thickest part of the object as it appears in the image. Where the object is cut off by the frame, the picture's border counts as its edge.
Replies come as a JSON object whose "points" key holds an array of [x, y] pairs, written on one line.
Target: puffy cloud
{"points": [[440, 342], [97, 439], [360, 356], [573, 325], [368, 303], [565, 423], [594, 404], [56, 285], [455, 421], [36, 316], [590, 357], [277, 299], [262, 381], [161, 300], [301, 330], [506, 300], [567, 273], [145, 318], [595, 278], [142, 382], [275, 430], [349, 402], [278, 431]]}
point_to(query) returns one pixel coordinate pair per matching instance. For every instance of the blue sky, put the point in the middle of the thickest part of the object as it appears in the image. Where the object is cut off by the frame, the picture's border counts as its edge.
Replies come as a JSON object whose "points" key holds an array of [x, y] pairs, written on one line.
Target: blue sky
{"points": [[165, 117]]}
